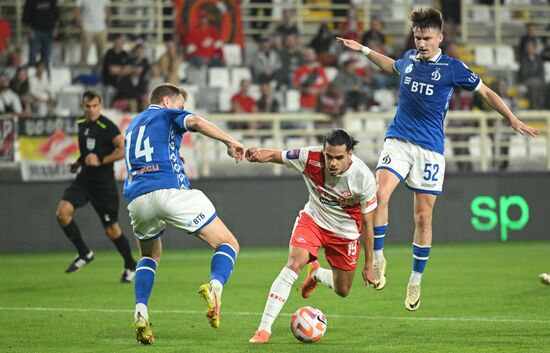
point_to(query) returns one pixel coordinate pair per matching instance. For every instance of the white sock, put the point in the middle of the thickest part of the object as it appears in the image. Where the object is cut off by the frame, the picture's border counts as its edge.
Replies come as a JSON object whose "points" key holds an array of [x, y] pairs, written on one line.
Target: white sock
{"points": [[324, 276], [278, 294], [378, 255], [416, 277], [218, 286], [142, 309]]}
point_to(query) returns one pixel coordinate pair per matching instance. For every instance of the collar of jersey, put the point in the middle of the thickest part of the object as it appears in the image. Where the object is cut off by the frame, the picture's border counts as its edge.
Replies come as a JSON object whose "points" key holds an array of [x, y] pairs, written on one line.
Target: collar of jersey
{"points": [[155, 106], [433, 59]]}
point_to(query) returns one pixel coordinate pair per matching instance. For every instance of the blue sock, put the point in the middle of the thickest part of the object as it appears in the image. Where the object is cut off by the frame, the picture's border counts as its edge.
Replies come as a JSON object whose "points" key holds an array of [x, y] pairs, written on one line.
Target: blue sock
{"points": [[379, 235], [222, 263], [143, 281], [420, 257]]}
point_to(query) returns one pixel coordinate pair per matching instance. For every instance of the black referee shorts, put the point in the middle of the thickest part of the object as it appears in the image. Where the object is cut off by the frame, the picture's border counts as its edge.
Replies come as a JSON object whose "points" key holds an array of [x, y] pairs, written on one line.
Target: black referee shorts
{"points": [[103, 196]]}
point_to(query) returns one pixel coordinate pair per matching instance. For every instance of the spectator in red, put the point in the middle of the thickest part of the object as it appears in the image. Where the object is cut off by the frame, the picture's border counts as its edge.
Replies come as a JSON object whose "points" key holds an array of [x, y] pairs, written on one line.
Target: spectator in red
{"points": [[311, 79], [204, 43], [352, 27], [242, 102], [332, 102], [5, 32]]}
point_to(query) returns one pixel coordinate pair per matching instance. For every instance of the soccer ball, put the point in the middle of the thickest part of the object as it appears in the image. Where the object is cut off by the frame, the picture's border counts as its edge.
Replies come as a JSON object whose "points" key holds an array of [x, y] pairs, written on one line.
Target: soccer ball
{"points": [[308, 324]]}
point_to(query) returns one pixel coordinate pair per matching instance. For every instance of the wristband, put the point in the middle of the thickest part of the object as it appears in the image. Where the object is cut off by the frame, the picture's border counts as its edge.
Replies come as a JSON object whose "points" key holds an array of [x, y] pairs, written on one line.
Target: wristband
{"points": [[366, 51]]}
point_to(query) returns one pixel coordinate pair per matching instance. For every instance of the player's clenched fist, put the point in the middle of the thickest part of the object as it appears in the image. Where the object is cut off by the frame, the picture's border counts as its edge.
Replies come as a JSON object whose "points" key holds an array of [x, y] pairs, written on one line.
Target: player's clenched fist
{"points": [[252, 154]]}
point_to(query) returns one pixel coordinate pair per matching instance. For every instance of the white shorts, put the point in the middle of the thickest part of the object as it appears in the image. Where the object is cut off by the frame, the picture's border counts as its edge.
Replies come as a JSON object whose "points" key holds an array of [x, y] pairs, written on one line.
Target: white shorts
{"points": [[188, 210], [423, 170]]}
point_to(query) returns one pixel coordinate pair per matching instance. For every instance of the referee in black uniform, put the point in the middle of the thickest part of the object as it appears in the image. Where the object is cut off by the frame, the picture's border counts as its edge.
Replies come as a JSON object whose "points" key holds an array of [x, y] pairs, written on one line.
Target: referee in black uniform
{"points": [[101, 144]]}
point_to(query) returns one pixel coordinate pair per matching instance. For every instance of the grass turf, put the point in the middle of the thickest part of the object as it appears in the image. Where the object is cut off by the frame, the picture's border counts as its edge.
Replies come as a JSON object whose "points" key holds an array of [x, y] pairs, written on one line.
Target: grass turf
{"points": [[476, 297]]}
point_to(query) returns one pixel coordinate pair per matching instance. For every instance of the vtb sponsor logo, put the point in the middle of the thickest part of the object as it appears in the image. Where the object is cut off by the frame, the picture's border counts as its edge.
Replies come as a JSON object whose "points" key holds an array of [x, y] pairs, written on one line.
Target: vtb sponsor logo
{"points": [[419, 87]]}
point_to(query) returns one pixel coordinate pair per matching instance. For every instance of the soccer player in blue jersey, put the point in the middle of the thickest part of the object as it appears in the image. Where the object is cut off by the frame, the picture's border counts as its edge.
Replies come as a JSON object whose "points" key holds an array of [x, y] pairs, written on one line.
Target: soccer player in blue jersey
{"points": [[158, 192], [413, 147]]}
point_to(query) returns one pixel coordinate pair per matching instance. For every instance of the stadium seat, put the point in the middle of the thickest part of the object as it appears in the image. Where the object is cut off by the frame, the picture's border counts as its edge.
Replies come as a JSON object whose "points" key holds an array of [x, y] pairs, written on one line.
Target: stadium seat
{"points": [[537, 147], [354, 125], [254, 91], [505, 57], [375, 126], [182, 70], [159, 49], [224, 100], [190, 88], [60, 77], [547, 71], [232, 54], [386, 98], [219, 77], [518, 147], [482, 14], [92, 58], [56, 58], [69, 99], [517, 152], [191, 102], [71, 53], [238, 74], [484, 56], [292, 100], [331, 72], [474, 147], [24, 53]]}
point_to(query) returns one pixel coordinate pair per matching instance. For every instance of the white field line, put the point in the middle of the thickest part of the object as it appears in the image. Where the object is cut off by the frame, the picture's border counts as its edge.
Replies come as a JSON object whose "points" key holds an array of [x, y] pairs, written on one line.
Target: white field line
{"points": [[168, 256], [258, 314]]}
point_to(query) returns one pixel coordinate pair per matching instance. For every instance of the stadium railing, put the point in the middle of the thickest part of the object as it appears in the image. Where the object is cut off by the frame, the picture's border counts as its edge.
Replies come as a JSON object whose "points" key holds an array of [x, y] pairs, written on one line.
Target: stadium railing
{"points": [[476, 141]]}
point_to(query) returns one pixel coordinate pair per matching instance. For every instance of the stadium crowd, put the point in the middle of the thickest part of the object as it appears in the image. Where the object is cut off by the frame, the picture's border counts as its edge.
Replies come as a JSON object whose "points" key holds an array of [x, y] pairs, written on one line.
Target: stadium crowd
{"points": [[329, 78]]}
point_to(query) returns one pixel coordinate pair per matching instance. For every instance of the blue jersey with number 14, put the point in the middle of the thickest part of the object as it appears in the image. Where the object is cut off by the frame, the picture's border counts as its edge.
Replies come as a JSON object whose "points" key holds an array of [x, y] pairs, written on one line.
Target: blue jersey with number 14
{"points": [[425, 88], [152, 146]]}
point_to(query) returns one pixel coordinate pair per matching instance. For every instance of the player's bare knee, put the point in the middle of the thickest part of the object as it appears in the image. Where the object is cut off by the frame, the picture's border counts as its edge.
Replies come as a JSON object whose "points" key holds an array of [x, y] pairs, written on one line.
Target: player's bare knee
{"points": [[233, 243], [64, 215], [113, 231], [343, 292], [295, 265], [382, 197], [423, 218]]}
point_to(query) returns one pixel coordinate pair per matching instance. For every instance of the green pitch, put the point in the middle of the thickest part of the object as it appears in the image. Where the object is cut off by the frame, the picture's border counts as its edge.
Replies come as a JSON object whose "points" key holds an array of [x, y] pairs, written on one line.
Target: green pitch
{"points": [[482, 297]]}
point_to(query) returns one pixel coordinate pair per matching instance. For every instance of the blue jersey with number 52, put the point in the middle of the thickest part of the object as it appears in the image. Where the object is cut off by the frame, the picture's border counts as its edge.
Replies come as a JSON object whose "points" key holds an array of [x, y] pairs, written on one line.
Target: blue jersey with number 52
{"points": [[152, 146]]}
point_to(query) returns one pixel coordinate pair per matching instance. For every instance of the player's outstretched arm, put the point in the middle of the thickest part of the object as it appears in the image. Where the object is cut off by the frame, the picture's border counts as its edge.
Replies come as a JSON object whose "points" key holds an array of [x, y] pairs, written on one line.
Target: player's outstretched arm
{"points": [[383, 62], [494, 100], [235, 149], [264, 155], [367, 238]]}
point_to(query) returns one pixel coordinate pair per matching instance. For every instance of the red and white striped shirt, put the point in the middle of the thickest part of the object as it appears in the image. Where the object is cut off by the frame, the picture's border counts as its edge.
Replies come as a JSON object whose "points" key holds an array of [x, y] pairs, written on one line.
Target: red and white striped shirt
{"points": [[336, 203]]}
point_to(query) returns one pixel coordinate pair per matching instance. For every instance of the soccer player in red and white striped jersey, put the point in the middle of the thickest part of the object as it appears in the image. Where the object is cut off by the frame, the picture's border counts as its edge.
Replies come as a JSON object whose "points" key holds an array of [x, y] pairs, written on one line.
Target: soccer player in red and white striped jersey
{"points": [[342, 196]]}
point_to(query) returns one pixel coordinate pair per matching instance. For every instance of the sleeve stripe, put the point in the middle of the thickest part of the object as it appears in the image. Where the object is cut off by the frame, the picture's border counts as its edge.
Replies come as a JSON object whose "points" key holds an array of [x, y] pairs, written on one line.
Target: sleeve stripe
{"points": [[478, 85]]}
